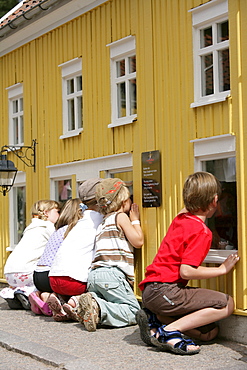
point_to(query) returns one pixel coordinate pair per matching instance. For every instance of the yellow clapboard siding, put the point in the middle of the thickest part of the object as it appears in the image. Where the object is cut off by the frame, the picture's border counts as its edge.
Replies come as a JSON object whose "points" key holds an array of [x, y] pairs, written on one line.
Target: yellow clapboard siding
{"points": [[165, 121]]}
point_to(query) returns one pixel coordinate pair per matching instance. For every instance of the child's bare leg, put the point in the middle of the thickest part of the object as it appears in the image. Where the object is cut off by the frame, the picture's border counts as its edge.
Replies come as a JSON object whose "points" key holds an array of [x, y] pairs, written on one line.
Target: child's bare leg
{"points": [[194, 333]]}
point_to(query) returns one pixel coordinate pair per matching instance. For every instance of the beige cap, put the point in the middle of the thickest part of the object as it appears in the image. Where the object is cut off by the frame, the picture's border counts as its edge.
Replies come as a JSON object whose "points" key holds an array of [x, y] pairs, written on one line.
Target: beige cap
{"points": [[108, 189], [87, 189]]}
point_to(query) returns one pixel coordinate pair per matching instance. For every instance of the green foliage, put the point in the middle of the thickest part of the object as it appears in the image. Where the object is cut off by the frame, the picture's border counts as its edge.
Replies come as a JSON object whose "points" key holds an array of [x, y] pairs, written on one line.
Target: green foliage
{"points": [[6, 5]]}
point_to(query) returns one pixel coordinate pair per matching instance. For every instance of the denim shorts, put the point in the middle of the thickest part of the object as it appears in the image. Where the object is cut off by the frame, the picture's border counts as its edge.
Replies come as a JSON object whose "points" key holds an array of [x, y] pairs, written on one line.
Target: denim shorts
{"points": [[174, 299]]}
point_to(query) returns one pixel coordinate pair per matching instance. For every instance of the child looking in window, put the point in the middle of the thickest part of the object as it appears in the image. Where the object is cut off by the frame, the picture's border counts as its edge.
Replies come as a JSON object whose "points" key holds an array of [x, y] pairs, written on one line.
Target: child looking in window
{"points": [[165, 292], [110, 299]]}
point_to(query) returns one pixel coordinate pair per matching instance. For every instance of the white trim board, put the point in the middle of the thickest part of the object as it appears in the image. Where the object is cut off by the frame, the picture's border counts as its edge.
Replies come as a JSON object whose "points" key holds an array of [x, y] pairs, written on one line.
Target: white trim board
{"points": [[90, 168]]}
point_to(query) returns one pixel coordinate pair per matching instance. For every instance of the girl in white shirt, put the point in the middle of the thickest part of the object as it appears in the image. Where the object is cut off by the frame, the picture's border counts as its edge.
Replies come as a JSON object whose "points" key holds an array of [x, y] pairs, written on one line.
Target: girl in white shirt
{"points": [[22, 261]]}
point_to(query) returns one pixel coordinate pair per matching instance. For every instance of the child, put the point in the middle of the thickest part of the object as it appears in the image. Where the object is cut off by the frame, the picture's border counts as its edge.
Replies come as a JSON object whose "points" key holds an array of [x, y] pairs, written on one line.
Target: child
{"points": [[110, 300], [166, 295], [22, 261], [69, 271], [69, 216]]}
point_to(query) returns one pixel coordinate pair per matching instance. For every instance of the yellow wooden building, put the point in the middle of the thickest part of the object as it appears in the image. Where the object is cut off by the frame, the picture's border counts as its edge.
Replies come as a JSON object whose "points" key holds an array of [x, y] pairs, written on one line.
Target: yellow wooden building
{"points": [[95, 85]]}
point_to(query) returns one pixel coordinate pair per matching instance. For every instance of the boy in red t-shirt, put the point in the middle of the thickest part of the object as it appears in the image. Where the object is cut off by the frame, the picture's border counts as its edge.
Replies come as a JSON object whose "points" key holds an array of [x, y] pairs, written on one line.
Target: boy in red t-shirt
{"points": [[166, 297]]}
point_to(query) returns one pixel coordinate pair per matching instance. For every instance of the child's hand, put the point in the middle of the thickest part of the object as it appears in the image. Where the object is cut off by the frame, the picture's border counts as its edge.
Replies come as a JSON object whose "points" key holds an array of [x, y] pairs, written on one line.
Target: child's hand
{"points": [[229, 262], [134, 212]]}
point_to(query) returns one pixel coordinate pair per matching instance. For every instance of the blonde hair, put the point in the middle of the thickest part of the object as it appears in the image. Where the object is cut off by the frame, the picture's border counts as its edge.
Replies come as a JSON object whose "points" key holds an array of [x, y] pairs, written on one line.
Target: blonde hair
{"points": [[199, 191], [39, 208], [116, 203], [70, 214]]}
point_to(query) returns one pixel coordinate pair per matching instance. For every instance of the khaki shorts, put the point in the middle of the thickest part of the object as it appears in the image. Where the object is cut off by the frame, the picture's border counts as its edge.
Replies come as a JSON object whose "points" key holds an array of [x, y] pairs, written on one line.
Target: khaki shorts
{"points": [[170, 299]]}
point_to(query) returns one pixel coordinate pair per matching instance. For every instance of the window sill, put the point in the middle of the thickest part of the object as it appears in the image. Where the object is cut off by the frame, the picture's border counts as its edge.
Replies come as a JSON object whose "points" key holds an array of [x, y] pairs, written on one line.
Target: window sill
{"points": [[125, 121], [71, 134], [208, 101], [218, 256]]}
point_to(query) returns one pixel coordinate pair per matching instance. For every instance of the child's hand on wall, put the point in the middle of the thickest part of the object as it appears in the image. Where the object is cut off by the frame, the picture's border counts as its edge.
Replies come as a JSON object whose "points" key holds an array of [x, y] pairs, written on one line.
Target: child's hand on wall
{"points": [[230, 262], [134, 212]]}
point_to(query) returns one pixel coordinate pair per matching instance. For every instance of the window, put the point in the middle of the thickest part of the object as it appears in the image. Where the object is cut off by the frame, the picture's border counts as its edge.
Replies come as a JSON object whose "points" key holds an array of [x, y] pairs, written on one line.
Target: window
{"points": [[16, 128], [63, 190], [217, 156], [17, 198], [211, 53], [65, 178], [223, 224], [123, 81], [72, 98]]}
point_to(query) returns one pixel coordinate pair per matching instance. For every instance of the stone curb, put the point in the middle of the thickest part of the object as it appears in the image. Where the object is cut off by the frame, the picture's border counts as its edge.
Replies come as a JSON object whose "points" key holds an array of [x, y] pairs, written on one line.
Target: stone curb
{"points": [[39, 352]]}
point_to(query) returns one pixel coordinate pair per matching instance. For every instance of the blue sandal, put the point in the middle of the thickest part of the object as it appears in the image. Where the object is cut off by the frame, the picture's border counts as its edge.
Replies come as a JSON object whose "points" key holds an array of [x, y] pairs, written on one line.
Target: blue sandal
{"points": [[146, 321], [181, 347]]}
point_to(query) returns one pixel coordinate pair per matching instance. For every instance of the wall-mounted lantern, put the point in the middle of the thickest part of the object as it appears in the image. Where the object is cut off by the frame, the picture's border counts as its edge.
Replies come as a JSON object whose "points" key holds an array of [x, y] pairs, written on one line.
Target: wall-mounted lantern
{"points": [[8, 170]]}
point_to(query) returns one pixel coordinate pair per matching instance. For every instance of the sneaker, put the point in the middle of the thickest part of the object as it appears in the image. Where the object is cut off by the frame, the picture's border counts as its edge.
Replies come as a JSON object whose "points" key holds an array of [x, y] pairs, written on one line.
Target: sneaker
{"points": [[21, 296], [88, 312], [57, 310], [14, 303]]}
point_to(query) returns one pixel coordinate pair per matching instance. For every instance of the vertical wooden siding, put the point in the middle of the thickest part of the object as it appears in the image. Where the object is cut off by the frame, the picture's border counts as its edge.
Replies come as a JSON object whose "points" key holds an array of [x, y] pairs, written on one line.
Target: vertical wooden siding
{"points": [[165, 120]]}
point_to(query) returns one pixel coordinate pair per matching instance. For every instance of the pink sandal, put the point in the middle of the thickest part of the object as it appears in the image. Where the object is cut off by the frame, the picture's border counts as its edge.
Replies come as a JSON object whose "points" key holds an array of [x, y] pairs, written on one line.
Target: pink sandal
{"points": [[38, 306]]}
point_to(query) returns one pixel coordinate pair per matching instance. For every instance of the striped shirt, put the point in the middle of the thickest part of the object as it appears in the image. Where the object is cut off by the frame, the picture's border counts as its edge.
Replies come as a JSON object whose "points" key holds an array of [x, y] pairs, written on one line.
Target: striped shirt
{"points": [[112, 247]]}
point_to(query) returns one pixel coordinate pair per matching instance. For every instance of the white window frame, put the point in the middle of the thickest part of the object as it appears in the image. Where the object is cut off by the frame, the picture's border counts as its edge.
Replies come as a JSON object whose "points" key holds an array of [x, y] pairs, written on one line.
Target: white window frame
{"points": [[15, 92], [20, 180], [120, 49], [71, 69], [211, 148], [209, 14]]}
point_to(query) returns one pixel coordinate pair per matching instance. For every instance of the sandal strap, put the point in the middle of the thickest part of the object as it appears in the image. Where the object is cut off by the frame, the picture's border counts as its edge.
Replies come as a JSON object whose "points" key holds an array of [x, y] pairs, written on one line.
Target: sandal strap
{"points": [[183, 344], [165, 335], [153, 322]]}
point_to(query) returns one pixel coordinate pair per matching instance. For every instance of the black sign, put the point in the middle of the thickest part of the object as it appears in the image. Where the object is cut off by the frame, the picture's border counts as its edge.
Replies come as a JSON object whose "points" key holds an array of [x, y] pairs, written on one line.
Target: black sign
{"points": [[151, 177]]}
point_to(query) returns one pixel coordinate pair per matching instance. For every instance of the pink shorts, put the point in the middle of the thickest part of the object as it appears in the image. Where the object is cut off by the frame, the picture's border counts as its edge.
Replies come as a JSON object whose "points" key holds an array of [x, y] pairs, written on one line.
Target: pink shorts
{"points": [[65, 285]]}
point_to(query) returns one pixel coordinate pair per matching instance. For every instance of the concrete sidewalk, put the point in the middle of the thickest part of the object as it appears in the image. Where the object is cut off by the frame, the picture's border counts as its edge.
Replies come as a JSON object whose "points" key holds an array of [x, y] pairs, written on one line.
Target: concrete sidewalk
{"points": [[68, 345]]}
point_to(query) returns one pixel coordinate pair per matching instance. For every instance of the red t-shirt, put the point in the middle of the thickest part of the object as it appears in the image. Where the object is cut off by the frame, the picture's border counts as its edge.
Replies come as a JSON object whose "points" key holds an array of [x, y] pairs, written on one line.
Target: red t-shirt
{"points": [[187, 241]]}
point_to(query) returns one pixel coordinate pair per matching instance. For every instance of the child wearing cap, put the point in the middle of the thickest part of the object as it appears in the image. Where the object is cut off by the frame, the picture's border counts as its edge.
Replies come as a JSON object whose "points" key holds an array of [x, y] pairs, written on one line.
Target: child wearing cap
{"points": [[110, 300], [69, 271]]}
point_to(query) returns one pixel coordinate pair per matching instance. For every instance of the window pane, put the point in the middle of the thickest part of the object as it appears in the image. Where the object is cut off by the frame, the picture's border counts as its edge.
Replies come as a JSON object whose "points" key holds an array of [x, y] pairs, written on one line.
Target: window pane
{"points": [[19, 212], [15, 130], [21, 130], [79, 111], [121, 97], [223, 224], [15, 106], [206, 37], [223, 32], [132, 88], [71, 115], [224, 70], [207, 75], [79, 83], [63, 190], [132, 64], [21, 104], [120, 68], [70, 86]]}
